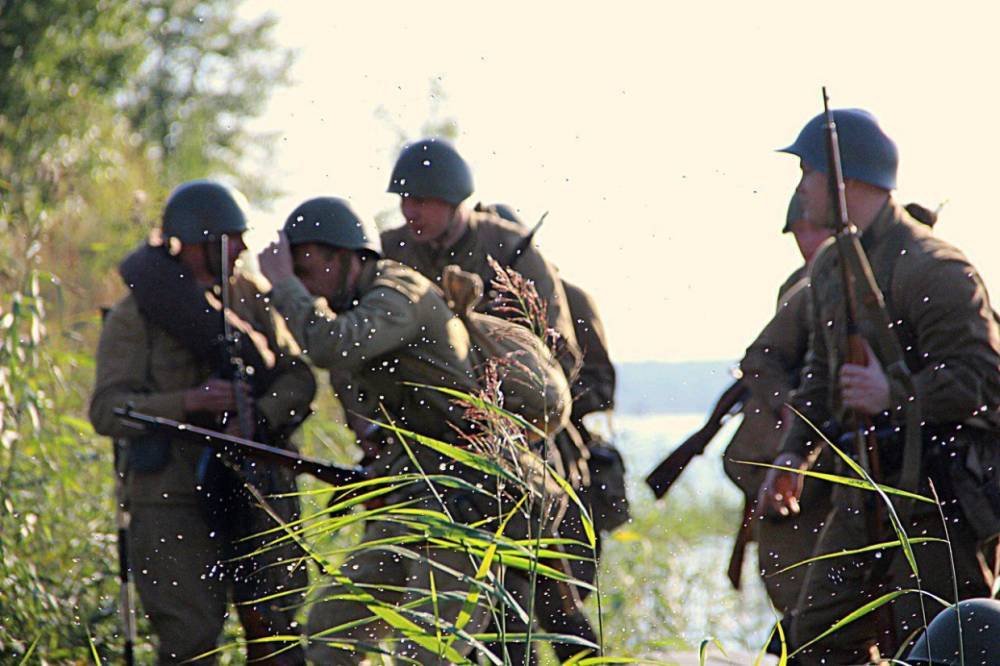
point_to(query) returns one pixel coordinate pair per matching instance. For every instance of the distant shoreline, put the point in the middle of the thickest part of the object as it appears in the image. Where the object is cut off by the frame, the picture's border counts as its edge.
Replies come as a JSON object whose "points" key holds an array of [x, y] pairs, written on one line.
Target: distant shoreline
{"points": [[657, 387]]}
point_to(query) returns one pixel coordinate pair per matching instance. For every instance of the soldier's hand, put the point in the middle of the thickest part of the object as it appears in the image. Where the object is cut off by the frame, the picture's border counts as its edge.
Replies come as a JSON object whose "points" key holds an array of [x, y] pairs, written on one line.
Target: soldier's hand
{"points": [[275, 260], [781, 490], [214, 396], [865, 388]]}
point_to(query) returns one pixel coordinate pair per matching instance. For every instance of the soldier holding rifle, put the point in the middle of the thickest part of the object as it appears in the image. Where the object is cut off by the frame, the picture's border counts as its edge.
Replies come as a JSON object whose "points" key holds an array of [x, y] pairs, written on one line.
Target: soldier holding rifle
{"points": [[919, 345], [164, 352], [771, 368]]}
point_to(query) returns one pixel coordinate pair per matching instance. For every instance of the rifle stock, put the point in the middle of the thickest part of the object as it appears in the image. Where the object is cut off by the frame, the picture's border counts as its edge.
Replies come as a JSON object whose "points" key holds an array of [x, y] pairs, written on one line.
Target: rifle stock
{"points": [[667, 472], [337, 475]]}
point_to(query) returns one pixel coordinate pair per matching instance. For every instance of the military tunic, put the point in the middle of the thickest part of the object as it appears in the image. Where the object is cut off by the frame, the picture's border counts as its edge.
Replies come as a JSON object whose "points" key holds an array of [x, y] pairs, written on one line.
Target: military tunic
{"points": [[401, 331], [941, 314], [175, 556], [594, 388], [489, 235], [771, 368]]}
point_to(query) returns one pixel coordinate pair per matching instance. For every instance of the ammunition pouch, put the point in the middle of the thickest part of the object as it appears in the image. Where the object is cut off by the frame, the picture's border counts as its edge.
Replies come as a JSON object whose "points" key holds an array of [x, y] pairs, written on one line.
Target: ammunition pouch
{"points": [[609, 505], [147, 453], [974, 476]]}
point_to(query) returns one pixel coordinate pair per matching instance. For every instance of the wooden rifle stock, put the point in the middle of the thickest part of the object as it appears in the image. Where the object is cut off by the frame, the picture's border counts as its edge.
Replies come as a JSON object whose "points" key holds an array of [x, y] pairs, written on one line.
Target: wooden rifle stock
{"points": [[743, 539], [661, 478], [337, 475], [866, 445]]}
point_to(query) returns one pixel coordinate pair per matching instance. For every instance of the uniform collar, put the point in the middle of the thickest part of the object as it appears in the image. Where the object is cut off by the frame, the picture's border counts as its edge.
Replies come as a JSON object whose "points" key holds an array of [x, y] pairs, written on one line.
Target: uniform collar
{"points": [[888, 217]]}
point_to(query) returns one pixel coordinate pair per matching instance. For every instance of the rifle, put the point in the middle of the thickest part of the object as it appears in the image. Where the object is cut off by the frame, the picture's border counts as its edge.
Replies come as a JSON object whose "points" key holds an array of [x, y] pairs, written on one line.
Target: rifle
{"points": [[865, 442], [337, 475], [854, 266], [244, 414], [729, 403], [524, 243], [123, 518]]}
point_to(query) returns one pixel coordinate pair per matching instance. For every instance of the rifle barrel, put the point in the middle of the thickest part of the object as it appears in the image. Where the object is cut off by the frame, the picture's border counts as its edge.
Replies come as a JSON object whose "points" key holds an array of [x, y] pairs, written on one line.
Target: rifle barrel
{"points": [[324, 471]]}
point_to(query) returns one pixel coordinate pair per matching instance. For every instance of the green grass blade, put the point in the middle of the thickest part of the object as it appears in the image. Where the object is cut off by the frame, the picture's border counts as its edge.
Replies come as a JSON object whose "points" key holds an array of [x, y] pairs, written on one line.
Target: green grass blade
{"points": [[860, 484], [93, 648], [857, 551], [31, 651], [869, 607], [479, 403], [703, 649]]}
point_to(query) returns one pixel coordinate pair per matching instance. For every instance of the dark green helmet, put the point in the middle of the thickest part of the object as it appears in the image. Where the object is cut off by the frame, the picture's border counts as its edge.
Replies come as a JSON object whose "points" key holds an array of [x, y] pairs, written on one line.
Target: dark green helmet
{"points": [[979, 641], [331, 221], [203, 210], [794, 213], [432, 169]]}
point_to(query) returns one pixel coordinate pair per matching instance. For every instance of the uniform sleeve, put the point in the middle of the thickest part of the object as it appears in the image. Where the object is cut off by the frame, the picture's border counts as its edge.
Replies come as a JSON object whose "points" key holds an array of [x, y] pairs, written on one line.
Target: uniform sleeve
{"points": [[594, 389], [533, 266], [811, 397], [771, 361], [384, 320], [123, 357], [293, 388], [957, 337]]}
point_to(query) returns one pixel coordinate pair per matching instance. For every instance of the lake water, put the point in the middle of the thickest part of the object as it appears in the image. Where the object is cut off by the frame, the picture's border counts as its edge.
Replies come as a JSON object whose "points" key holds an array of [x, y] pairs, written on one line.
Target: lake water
{"points": [[681, 585]]}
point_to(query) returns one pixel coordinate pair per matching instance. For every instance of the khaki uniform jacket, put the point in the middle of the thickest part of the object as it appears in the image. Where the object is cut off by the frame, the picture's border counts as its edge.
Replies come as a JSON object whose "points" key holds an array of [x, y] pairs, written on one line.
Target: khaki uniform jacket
{"points": [[771, 368], [594, 388], [142, 366], [401, 331], [941, 314], [490, 235]]}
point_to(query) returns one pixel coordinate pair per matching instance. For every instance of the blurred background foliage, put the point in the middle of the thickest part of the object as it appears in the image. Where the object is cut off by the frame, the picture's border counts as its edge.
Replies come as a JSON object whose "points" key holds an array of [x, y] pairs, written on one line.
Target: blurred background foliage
{"points": [[104, 106]]}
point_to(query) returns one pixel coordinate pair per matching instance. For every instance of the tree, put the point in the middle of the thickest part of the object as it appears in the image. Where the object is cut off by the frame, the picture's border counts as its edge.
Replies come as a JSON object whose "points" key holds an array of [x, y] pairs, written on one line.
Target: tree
{"points": [[206, 73]]}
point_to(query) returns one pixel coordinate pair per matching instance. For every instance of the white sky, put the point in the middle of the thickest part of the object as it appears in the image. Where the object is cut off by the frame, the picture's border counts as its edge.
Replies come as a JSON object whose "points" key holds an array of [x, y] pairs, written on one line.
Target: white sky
{"points": [[647, 131]]}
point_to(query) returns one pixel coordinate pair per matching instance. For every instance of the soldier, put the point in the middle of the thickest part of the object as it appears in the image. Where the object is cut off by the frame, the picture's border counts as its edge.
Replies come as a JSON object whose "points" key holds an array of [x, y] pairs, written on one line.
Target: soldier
{"points": [[941, 315], [433, 182], [383, 327], [771, 368], [180, 542]]}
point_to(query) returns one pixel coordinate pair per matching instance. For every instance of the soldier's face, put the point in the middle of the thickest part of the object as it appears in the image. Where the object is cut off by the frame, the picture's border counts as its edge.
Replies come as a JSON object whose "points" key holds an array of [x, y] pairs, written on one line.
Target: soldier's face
{"points": [[318, 268], [427, 219], [809, 237], [814, 195]]}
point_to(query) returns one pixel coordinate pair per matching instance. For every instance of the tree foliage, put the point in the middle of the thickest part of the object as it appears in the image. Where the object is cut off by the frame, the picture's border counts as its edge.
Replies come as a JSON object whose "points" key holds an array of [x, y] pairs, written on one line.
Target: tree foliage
{"points": [[103, 109], [203, 76]]}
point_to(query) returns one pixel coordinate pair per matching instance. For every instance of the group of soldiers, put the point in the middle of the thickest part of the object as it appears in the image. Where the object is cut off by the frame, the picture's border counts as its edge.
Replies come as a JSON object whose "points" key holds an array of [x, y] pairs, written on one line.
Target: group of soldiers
{"points": [[920, 406], [375, 313]]}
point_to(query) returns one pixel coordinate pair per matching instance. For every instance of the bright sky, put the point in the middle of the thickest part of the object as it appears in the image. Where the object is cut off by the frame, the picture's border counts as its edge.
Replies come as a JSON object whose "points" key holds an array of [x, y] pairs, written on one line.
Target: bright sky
{"points": [[647, 131]]}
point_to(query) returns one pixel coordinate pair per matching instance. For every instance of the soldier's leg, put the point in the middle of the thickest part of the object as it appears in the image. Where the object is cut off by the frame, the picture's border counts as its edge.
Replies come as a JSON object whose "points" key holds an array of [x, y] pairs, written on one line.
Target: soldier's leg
{"points": [[512, 651], [782, 542], [836, 587], [268, 588], [338, 620], [560, 611], [452, 582], [936, 577], [175, 565], [831, 590]]}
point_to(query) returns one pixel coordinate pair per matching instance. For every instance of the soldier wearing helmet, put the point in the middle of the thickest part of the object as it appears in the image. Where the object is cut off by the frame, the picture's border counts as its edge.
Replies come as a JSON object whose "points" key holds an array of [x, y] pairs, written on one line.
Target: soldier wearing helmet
{"points": [[386, 334], [433, 182], [771, 368], [944, 325], [162, 352]]}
